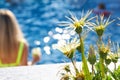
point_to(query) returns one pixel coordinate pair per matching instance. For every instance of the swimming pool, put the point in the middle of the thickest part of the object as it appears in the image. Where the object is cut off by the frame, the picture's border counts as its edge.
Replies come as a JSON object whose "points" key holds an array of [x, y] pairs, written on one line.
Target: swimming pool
{"points": [[38, 20]]}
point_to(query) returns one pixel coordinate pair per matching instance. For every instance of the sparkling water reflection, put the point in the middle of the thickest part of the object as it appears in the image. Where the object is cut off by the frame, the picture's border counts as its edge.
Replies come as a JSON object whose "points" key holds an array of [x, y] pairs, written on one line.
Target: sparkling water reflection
{"points": [[38, 20]]}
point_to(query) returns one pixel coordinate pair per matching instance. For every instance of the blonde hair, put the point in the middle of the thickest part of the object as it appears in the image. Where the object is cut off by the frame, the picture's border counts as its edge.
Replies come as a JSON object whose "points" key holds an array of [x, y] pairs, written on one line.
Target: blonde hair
{"points": [[10, 33]]}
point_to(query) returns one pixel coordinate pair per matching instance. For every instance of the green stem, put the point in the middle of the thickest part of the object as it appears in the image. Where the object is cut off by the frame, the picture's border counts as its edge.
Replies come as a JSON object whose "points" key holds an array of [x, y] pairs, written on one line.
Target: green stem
{"points": [[76, 70], [115, 66], [92, 69], [102, 67], [100, 40], [84, 61]]}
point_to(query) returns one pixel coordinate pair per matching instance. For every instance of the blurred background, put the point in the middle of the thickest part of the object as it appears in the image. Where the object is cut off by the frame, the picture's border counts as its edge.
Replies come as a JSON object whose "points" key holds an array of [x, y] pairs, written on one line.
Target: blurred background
{"points": [[39, 19]]}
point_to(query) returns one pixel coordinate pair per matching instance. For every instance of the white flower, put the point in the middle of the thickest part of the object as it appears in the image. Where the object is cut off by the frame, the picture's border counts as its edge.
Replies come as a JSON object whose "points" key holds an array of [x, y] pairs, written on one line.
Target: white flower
{"points": [[101, 24], [69, 48], [75, 23]]}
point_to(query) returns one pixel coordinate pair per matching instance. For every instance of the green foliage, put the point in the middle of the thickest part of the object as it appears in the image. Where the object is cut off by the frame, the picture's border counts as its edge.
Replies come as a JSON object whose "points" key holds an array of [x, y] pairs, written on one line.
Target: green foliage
{"points": [[97, 76], [109, 78], [116, 74]]}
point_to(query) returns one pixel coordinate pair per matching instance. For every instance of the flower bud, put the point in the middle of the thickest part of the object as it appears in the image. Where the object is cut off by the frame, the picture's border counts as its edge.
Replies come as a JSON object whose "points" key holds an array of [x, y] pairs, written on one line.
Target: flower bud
{"points": [[103, 51], [107, 60], [114, 58], [91, 56]]}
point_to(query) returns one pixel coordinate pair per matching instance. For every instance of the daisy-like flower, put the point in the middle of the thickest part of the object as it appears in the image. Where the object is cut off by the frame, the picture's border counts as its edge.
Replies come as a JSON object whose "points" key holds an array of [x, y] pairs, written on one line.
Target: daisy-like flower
{"points": [[80, 76], [69, 48], [78, 24], [101, 24]]}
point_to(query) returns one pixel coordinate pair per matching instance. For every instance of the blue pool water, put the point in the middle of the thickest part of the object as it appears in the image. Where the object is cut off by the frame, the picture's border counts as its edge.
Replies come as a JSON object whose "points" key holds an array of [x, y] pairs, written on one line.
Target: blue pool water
{"points": [[38, 20]]}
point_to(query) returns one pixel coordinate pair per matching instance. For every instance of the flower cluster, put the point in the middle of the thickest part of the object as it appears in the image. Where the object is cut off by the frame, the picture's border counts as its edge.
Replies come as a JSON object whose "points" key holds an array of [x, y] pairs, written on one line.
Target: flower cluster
{"points": [[99, 58]]}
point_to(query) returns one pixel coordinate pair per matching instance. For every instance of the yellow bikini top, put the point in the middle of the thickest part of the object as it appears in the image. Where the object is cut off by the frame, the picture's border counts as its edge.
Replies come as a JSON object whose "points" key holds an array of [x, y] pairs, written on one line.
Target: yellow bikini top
{"points": [[18, 58]]}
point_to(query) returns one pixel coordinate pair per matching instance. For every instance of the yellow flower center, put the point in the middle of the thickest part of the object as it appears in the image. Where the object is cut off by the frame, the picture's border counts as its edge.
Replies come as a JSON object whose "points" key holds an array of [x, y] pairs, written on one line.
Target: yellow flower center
{"points": [[100, 27], [105, 50], [79, 24]]}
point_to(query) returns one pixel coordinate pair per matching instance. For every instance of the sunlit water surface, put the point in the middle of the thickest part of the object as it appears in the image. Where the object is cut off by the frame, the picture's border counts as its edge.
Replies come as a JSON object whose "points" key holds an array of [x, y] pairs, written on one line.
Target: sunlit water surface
{"points": [[39, 19]]}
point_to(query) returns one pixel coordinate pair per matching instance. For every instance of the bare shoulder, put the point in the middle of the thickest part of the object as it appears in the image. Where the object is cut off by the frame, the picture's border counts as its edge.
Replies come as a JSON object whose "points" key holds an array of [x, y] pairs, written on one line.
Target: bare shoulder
{"points": [[25, 43]]}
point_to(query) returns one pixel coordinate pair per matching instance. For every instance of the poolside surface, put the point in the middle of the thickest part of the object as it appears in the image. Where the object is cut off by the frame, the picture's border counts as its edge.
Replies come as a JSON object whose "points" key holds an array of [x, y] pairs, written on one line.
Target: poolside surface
{"points": [[36, 72]]}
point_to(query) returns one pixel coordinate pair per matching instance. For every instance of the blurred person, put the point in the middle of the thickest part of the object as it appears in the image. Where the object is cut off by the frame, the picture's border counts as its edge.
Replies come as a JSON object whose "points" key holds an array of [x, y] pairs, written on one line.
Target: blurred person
{"points": [[13, 46], [101, 10]]}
